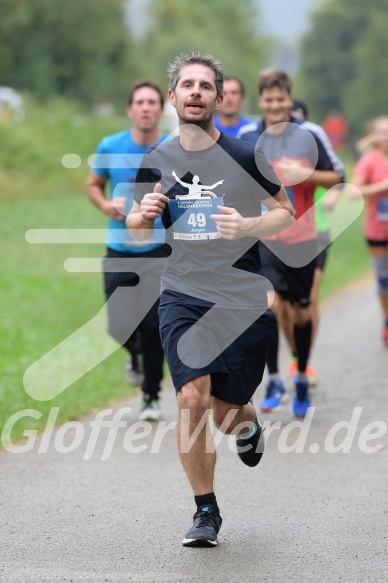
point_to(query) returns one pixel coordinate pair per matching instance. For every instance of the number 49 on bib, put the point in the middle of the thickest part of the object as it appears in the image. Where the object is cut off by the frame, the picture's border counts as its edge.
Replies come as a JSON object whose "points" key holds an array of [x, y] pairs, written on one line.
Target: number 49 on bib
{"points": [[197, 220]]}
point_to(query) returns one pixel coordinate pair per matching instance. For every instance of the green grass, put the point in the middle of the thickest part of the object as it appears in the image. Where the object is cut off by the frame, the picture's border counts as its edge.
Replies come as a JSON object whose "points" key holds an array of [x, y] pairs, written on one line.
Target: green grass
{"points": [[42, 304], [347, 256]]}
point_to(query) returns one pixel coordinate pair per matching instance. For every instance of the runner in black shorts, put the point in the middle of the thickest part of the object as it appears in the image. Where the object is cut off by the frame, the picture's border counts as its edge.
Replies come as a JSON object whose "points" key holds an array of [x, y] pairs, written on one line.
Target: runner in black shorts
{"points": [[214, 321], [303, 159], [324, 201], [292, 283]]}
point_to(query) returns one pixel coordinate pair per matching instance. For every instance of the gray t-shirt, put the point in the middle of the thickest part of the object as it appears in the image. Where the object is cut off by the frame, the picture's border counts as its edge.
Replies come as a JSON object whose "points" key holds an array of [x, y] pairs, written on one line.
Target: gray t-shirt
{"points": [[229, 173]]}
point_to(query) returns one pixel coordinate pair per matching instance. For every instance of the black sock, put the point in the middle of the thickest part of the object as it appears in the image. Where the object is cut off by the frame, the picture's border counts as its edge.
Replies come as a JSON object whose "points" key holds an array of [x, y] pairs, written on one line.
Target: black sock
{"points": [[206, 499], [272, 353], [302, 336]]}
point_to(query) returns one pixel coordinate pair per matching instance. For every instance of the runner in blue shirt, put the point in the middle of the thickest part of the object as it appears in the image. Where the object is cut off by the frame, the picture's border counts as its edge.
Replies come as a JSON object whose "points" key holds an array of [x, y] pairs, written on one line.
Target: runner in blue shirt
{"points": [[116, 162], [228, 119]]}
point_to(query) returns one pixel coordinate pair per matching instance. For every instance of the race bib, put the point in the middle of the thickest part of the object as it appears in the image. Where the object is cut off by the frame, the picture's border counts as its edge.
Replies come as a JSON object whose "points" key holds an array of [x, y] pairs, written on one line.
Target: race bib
{"points": [[191, 218], [382, 209]]}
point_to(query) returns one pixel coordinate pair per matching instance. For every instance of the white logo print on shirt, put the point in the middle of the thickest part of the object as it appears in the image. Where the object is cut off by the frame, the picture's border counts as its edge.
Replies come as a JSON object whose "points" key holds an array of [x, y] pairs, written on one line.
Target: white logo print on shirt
{"points": [[195, 189]]}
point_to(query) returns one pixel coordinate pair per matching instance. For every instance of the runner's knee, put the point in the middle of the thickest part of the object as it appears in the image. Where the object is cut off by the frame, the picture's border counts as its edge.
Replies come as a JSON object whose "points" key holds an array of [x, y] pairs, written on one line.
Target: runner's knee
{"points": [[301, 314], [195, 396], [380, 265]]}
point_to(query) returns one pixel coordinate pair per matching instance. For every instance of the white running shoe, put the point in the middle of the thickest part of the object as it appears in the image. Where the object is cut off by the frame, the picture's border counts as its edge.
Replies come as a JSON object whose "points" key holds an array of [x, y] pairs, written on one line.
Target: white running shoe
{"points": [[150, 410], [134, 375]]}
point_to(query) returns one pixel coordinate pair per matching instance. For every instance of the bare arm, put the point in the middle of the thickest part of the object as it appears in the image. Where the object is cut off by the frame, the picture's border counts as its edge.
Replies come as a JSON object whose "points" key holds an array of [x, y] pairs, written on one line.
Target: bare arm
{"points": [[325, 178], [295, 173], [331, 197], [368, 189], [280, 215], [141, 219], [95, 186]]}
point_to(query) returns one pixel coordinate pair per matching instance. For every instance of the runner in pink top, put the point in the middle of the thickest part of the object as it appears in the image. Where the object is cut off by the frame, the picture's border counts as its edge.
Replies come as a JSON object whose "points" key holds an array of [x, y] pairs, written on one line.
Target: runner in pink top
{"points": [[371, 178]]}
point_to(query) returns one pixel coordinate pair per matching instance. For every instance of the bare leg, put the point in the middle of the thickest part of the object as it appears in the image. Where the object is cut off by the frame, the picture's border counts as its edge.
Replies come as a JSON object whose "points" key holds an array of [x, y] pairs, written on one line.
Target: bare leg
{"points": [[380, 253], [229, 417], [384, 304], [199, 457]]}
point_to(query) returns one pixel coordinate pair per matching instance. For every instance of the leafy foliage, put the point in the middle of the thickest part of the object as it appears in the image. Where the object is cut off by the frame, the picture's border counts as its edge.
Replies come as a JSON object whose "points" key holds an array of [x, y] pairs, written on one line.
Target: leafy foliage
{"points": [[77, 49], [83, 49], [227, 30], [339, 59]]}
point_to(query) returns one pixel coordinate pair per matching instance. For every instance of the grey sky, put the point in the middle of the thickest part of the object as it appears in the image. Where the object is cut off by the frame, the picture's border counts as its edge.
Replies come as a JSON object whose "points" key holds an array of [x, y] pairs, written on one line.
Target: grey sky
{"points": [[286, 19]]}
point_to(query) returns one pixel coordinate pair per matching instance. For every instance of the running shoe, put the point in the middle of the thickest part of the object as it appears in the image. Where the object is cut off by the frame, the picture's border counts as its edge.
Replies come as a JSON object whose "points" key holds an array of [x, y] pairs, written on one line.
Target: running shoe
{"points": [[206, 525], [293, 369], [251, 450], [134, 372], [275, 395], [301, 401], [150, 410], [310, 372]]}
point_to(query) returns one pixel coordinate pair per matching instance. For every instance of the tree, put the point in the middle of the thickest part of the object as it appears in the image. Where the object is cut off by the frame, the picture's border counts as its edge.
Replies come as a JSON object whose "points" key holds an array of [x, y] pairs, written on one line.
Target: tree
{"points": [[328, 51], [77, 49], [228, 30], [365, 96]]}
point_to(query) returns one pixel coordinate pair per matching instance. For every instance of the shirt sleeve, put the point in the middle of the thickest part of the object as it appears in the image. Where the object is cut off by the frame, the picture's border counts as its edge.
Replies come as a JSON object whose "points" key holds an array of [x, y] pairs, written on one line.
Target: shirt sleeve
{"points": [[264, 174], [327, 158]]}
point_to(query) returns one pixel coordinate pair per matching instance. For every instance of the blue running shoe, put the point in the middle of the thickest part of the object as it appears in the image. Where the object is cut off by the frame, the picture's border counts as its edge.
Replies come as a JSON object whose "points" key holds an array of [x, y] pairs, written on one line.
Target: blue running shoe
{"points": [[301, 401], [276, 393]]}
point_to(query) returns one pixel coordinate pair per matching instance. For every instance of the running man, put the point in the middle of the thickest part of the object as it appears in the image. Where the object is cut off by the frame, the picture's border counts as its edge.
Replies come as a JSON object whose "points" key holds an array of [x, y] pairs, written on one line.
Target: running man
{"points": [[228, 120], [116, 161], [214, 319], [371, 178], [303, 160], [324, 202]]}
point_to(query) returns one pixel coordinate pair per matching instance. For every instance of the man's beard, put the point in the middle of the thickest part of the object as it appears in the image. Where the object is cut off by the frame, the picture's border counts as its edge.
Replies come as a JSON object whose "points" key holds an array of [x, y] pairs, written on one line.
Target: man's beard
{"points": [[204, 124]]}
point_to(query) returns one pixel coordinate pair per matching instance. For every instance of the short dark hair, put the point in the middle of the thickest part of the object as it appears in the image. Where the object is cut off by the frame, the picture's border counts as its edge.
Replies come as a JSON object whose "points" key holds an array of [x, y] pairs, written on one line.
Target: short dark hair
{"points": [[145, 83], [301, 106], [238, 80], [270, 78], [184, 59]]}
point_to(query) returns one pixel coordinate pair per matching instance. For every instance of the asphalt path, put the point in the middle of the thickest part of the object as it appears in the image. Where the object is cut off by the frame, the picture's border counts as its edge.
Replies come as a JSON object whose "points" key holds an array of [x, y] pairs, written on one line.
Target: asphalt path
{"points": [[316, 514]]}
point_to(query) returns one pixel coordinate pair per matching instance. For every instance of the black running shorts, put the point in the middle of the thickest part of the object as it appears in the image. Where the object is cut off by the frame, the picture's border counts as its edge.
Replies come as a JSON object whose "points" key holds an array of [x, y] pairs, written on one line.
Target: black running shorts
{"points": [[292, 283], [324, 244], [237, 370]]}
